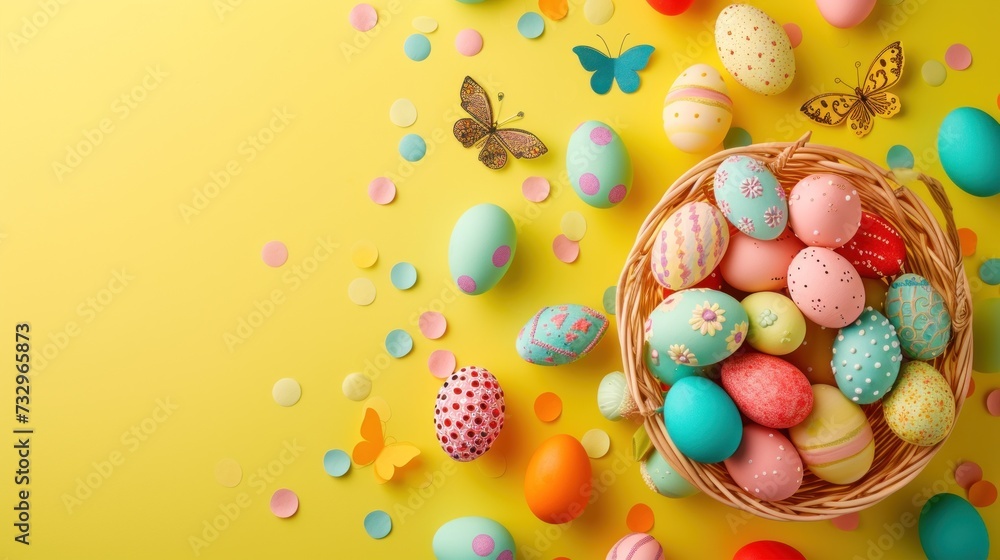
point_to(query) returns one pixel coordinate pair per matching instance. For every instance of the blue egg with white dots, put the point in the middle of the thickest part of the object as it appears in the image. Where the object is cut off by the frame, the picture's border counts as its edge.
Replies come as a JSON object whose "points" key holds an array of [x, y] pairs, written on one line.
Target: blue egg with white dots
{"points": [[412, 147], [417, 47], [866, 357]]}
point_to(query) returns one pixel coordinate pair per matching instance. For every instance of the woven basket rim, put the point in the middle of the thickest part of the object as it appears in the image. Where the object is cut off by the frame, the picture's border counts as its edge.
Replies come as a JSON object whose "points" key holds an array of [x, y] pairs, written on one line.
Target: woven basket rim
{"points": [[931, 251]]}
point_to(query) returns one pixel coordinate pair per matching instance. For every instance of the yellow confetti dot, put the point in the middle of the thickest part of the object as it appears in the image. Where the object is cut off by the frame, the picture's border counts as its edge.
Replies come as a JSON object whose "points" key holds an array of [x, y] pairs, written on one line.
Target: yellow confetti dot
{"points": [[573, 226], [364, 254], [596, 442]]}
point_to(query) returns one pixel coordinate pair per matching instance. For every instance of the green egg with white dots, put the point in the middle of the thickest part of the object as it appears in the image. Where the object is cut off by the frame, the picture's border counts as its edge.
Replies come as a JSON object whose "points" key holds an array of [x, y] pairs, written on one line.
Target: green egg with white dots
{"points": [[866, 357]]}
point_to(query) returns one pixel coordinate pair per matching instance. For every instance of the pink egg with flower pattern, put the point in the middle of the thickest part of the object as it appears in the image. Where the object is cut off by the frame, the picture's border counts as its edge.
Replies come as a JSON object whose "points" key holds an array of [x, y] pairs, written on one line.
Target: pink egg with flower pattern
{"points": [[469, 413]]}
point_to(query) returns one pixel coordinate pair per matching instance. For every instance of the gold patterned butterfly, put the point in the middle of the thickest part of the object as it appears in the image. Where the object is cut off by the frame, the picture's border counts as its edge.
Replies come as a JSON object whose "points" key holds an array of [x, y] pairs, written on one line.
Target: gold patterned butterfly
{"points": [[870, 97], [482, 128]]}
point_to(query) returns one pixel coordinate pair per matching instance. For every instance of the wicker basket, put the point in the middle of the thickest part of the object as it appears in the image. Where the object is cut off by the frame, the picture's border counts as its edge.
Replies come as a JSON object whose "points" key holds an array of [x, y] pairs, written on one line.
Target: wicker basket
{"points": [[931, 252]]}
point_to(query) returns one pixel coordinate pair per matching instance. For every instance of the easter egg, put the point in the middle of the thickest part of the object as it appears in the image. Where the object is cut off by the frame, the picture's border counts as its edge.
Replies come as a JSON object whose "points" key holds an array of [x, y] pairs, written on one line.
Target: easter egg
{"points": [[753, 265], [695, 327], [663, 479], [835, 441], [824, 210], [950, 528], [669, 371], [613, 398], [813, 357], [598, 164], [636, 546], [876, 250], [768, 550], [481, 248], [712, 282], [697, 111], [920, 409], [968, 141], [767, 389], [670, 7], [866, 357], [777, 327], [845, 13], [469, 413], [689, 245], [755, 49], [557, 481], [473, 538], [918, 312], [985, 334], [750, 197], [560, 334], [766, 464], [702, 420], [825, 287]]}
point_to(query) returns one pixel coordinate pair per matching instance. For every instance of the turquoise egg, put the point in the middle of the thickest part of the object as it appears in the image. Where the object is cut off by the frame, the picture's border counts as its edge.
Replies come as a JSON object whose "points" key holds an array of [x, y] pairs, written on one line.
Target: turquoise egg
{"points": [[473, 538], [702, 420], [560, 334], [694, 327], [598, 165], [866, 357], [968, 143], [951, 528], [751, 198], [660, 477], [481, 248], [921, 319]]}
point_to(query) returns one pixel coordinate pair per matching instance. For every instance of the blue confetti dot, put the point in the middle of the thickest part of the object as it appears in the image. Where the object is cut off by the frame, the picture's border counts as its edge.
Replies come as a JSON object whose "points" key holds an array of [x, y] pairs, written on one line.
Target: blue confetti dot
{"points": [[336, 463], [609, 299], [990, 272], [531, 25], [417, 47], [403, 275], [899, 157], [412, 147], [378, 524], [398, 343], [736, 138]]}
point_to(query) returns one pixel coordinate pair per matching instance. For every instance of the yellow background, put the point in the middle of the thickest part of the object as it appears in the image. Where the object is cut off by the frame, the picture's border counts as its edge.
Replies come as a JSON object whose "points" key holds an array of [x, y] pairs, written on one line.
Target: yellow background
{"points": [[220, 69]]}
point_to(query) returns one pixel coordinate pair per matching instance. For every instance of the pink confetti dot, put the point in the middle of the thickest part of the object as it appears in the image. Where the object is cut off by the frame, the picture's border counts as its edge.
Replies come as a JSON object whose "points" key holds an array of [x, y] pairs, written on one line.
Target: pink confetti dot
{"points": [[501, 256], [617, 194], [958, 56], [535, 189], [441, 363], [469, 42], [274, 253], [432, 324], [466, 284], [565, 249], [363, 17], [794, 33], [381, 190], [601, 136], [284, 503], [589, 184], [993, 402], [847, 522], [483, 545], [967, 474]]}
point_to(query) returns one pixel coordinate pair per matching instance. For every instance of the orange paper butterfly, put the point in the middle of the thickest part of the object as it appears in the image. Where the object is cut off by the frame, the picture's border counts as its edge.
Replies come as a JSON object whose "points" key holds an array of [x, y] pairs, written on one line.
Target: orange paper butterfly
{"points": [[870, 97], [387, 457], [499, 141]]}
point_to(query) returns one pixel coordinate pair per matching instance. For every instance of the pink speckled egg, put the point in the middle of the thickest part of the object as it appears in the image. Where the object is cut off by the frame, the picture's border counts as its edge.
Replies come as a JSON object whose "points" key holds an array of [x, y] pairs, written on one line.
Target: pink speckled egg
{"points": [[825, 287], [468, 413], [766, 464], [824, 210], [636, 546]]}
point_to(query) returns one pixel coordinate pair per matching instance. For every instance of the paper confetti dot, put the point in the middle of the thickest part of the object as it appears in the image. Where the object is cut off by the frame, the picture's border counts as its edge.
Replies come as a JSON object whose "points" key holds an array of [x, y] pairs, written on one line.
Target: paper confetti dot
{"points": [[548, 407], [598, 12], [736, 138], [402, 112], [403, 275], [417, 47], [553, 9], [958, 57], [336, 463], [378, 524], [398, 343], [565, 249], [379, 405], [899, 157], [972, 388], [640, 518], [228, 473], [967, 474], [361, 291], [382, 190], [286, 391], [933, 73], [794, 33], [284, 503], [412, 148], [609, 299], [432, 324], [993, 402], [468, 42], [990, 272], [425, 24], [968, 239], [982, 494], [535, 189], [493, 464], [847, 522], [573, 225], [441, 363], [596, 442], [274, 253], [530, 25], [356, 386], [363, 17], [364, 254]]}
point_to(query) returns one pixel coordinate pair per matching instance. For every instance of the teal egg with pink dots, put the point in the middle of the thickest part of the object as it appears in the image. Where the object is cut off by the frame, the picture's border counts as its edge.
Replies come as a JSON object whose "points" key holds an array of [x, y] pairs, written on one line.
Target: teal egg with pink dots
{"points": [[473, 538], [598, 165], [481, 248]]}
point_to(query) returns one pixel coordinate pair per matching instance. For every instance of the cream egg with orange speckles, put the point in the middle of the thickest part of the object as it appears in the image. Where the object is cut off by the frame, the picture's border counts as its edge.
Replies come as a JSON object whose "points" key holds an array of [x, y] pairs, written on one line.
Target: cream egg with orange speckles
{"points": [[920, 409], [754, 49], [697, 112]]}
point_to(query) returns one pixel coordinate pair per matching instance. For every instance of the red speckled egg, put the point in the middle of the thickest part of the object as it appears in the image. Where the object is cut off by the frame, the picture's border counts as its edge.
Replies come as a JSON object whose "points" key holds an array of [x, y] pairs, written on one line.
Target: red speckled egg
{"points": [[468, 413], [767, 389], [768, 550], [876, 250]]}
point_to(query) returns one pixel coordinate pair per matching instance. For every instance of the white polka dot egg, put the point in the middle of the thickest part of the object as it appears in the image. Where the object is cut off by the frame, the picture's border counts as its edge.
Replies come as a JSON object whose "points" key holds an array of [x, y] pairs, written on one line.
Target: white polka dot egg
{"points": [[598, 165], [866, 357]]}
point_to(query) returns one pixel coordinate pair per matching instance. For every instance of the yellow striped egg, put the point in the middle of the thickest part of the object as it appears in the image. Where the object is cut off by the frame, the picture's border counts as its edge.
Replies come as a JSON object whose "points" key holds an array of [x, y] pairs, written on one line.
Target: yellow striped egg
{"points": [[835, 441], [689, 245], [697, 112]]}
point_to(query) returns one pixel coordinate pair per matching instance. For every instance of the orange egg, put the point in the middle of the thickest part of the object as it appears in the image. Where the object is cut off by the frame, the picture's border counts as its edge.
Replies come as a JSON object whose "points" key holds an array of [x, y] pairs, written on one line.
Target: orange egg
{"points": [[557, 481]]}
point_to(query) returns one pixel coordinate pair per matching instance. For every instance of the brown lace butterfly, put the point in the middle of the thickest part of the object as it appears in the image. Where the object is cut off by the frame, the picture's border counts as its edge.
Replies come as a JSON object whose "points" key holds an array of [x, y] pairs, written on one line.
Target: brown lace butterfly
{"points": [[483, 128], [870, 97]]}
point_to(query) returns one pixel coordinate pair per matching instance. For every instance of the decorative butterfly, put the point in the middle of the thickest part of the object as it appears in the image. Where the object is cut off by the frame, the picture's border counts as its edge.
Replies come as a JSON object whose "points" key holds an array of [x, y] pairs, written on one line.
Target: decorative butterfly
{"points": [[483, 128], [870, 97], [606, 69], [387, 457]]}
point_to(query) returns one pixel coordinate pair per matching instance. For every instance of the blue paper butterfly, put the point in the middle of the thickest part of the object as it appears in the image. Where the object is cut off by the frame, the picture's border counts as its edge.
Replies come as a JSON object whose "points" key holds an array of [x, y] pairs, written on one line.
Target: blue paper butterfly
{"points": [[606, 69]]}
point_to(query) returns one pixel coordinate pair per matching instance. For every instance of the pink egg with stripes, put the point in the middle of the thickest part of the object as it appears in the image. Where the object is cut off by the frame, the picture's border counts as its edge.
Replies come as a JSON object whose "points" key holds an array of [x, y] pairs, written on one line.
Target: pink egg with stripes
{"points": [[689, 245], [636, 546], [697, 112]]}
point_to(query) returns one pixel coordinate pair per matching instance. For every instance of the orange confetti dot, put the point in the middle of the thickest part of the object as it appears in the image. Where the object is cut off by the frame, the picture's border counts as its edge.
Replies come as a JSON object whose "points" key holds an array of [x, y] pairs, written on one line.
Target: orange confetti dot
{"points": [[554, 9], [982, 493], [968, 239], [972, 388], [548, 407], [640, 518], [847, 522]]}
